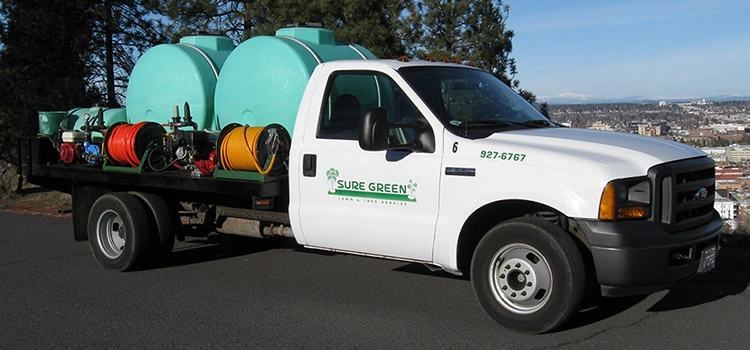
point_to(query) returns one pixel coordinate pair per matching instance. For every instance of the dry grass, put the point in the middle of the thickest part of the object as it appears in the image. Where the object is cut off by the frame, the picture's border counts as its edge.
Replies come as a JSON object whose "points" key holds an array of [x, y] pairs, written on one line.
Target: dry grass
{"points": [[33, 200], [37, 201]]}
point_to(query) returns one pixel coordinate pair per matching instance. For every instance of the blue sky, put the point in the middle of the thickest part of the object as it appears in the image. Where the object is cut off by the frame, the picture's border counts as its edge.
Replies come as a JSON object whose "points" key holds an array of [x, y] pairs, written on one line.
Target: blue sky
{"points": [[614, 49]]}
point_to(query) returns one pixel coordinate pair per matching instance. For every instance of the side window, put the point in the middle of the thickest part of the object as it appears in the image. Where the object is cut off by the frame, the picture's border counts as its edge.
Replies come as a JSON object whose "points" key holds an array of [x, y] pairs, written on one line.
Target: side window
{"points": [[349, 95], [405, 113]]}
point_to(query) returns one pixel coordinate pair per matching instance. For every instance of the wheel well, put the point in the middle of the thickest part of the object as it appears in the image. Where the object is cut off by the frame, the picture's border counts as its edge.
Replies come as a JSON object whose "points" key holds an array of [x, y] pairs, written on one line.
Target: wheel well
{"points": [[83, 197], [486, 217]]}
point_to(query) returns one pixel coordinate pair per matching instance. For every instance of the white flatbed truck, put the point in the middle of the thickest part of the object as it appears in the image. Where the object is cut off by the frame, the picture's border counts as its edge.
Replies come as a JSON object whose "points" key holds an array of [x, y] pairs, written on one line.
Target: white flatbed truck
{"points": [[434, 163]]}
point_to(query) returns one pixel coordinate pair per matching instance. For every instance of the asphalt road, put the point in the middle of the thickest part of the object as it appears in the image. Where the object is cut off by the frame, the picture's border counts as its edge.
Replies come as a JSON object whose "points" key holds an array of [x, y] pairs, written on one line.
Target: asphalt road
{"points": [[273, 294]]}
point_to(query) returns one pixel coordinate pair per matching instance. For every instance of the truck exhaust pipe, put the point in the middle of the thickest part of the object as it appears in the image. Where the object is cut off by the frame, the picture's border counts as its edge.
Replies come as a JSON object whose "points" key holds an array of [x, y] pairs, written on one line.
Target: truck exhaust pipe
{"points": [[252, 228]]}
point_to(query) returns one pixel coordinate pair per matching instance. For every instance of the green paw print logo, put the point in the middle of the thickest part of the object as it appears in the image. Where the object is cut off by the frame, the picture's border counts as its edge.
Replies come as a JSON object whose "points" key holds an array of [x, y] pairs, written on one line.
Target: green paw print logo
{"points": [[412, 187], [332, 175]]}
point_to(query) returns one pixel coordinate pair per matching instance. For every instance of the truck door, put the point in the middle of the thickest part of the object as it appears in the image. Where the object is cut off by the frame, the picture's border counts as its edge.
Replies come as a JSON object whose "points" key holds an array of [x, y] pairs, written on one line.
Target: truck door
{"points": [[374, 202]]}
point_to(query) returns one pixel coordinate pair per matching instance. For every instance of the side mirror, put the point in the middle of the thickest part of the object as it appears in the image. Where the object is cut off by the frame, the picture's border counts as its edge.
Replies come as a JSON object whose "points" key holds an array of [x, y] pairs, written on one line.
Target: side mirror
{"points": [[373, 130]]}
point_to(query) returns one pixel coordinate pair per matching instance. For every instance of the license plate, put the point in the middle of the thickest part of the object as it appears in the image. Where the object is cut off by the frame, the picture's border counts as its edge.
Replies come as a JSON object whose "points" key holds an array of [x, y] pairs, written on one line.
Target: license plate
{"points": [[708, 259]]}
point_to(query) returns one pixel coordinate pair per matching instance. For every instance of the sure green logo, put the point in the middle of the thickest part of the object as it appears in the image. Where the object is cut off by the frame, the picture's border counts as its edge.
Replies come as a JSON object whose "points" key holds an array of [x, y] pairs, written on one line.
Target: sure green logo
{"points": [[405, 192], [332, 175]]}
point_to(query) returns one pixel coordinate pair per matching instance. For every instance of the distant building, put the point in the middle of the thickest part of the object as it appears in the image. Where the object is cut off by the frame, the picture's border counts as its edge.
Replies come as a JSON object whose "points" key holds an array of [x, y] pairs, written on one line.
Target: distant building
{"points": [[600, 126], [701, 133], [728, 174], [718, 154], [727, 206], [744, 182], [728, 209], [737, 154], [652, 130], [729, 185], [728, 129]]}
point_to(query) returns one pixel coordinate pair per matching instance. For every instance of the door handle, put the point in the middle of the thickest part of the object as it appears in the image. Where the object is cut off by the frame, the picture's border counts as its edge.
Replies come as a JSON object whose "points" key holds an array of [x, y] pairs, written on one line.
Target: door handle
{"points": [[309, 165]]}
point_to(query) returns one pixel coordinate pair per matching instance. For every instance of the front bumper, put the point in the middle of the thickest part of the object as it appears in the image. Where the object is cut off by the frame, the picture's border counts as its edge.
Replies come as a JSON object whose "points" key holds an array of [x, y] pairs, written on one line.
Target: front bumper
{"points": [[639, 257]]}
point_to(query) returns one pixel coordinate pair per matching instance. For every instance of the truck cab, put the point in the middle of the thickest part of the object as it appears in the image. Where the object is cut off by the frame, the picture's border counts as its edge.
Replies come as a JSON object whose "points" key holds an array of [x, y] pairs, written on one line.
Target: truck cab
{"points": [[443, 164]]}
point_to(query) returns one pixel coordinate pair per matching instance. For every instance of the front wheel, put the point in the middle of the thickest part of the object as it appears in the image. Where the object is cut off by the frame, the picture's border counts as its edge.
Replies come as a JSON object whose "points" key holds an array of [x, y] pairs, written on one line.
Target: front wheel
{"points": [[528, 275]]}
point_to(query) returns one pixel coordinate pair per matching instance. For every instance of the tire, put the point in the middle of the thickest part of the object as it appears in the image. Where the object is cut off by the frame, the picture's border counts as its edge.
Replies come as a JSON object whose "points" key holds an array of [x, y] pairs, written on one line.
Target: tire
{"points": [[162, 243], [118, 231], [528, 275]]}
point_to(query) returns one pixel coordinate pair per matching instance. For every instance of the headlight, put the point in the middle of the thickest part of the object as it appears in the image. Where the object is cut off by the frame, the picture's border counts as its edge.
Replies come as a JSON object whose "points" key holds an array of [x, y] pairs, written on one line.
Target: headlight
{"points": [[626, 199]]}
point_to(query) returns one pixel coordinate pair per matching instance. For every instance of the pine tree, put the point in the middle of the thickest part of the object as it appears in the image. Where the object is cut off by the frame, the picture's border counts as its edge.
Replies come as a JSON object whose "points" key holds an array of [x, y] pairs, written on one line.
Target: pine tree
{"points": [[544, 109], [468, 30], [45, 45], [122, 31], [373, 24]]}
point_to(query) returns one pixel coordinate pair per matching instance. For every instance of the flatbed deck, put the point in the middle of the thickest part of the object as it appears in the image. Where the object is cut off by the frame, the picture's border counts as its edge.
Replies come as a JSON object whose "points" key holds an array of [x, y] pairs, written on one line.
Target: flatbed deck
{"points": [[41, 165]]}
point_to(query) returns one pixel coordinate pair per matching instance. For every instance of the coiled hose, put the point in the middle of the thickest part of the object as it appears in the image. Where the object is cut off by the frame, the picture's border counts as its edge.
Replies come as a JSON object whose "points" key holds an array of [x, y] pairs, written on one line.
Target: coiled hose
{"points": [[240, 149], [126, 143]]}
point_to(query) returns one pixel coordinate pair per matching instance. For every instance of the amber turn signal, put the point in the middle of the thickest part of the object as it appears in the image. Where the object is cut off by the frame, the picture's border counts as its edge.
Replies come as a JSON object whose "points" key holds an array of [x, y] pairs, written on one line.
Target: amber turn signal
{"points": [[607, 203]]}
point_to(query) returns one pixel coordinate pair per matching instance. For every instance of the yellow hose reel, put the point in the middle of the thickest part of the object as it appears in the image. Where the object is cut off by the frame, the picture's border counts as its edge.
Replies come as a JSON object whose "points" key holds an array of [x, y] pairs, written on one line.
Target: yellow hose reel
{"points": [[253, 148]]}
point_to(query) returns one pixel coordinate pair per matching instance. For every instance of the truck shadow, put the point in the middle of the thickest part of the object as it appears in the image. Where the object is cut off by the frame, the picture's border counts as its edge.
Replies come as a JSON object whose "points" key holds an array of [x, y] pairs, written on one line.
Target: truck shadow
{"points": [[596, 308], [218, 247], [419, 269], [730, 277]]}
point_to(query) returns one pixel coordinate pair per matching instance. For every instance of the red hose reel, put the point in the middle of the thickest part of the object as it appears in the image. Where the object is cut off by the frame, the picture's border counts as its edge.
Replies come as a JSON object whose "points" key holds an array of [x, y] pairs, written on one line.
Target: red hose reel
{"points": [[127, 143]]}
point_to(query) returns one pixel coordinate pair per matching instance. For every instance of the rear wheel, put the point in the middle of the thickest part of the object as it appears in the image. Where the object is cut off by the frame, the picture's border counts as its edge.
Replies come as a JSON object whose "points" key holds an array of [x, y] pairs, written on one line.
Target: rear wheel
{"points": [[163, 241], [528, 275], [118, 231]]}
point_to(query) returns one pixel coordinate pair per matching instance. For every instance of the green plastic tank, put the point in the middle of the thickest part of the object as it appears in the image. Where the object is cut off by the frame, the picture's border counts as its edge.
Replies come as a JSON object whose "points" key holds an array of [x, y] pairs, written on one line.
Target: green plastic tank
{"points": [[263, 79], [51, 121], [169, 75]]}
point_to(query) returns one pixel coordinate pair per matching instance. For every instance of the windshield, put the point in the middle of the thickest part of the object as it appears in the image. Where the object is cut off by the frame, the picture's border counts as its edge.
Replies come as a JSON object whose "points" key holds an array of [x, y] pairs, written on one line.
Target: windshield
{"points": [[471, 102]]}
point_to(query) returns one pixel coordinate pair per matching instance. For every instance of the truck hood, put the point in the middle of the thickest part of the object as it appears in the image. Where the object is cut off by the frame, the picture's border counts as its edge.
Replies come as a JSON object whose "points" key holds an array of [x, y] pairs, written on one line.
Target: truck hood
{"points": [[624, 154]]}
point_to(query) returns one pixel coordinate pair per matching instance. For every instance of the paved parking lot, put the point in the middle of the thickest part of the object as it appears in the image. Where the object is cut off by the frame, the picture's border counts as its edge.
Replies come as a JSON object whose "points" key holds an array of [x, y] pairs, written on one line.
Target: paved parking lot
{"points": [[274, 294]]}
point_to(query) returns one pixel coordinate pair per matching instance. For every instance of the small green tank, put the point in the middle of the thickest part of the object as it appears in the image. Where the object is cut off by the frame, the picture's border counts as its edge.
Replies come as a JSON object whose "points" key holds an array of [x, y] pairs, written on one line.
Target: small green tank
{"points": [[51, 121]]}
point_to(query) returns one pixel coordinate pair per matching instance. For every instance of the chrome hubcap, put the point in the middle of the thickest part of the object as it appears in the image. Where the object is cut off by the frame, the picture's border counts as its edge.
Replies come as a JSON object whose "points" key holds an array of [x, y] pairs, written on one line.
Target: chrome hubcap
{"points": [[110, 234], [520, 278]]}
